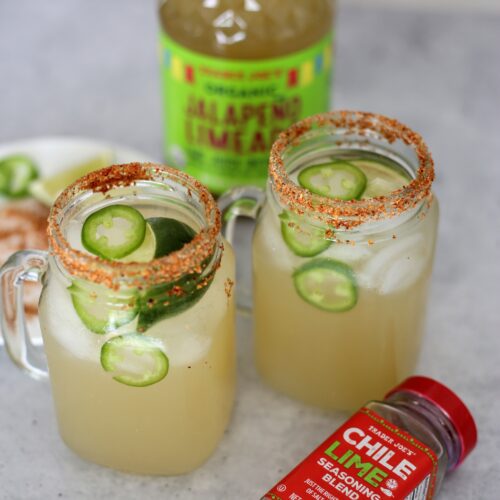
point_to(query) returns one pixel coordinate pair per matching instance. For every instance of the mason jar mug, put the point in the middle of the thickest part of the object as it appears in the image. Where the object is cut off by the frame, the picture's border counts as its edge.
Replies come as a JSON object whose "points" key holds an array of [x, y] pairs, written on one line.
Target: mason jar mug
{"points": [[137, 318], [342, 256]]}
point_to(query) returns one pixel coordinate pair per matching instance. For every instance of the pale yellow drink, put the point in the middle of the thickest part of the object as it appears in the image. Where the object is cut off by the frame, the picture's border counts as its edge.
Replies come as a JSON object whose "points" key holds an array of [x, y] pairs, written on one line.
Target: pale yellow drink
{"points": [[337, 359], [180, 420]]}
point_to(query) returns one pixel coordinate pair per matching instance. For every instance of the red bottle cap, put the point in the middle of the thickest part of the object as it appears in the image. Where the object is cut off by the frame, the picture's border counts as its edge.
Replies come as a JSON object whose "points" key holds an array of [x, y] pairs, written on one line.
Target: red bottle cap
{"points": [[449, 403]]}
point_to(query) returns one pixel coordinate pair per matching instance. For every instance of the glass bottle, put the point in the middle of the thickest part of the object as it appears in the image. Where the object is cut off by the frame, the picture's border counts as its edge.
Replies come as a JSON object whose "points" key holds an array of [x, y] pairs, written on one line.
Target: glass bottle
{"points": [[235, 73], [399, 448]]}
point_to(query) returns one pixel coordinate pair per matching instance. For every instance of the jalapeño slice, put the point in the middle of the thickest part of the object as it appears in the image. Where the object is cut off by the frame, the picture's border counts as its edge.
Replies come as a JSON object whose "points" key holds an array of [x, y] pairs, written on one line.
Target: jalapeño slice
{"points": [[169, 299], [16, 174], [327, 284], [302, 239], [339, 179], [114, 231], [134, 360], [99, 311]]}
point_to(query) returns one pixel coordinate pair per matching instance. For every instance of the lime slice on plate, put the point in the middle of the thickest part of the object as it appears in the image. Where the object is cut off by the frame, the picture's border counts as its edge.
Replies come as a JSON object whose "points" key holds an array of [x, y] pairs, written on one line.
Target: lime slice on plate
{"points": [[47, 189], [16, 174]]}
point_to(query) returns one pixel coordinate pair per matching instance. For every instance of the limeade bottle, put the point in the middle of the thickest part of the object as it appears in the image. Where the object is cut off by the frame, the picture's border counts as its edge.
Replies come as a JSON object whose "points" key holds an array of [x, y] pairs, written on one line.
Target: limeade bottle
{"points": [[137, 319], [235, 73], [342, 254]]}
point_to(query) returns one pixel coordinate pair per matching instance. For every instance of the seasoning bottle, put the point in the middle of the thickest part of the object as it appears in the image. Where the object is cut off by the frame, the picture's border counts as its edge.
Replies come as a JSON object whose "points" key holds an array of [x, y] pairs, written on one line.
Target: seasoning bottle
{"points": [[234, 74], [398, 448]]}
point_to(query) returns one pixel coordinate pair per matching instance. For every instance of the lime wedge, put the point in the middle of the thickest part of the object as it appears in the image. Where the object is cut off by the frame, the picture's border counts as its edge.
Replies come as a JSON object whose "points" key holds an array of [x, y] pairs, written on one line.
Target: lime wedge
{"points": [[146, 252], [171, 234], [163, 236], [382, 179], [46, 190]]}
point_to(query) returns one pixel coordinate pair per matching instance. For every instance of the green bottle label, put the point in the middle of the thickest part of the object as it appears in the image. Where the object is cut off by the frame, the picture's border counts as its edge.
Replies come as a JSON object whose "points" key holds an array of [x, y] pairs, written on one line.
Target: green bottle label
{"points": [[222, 116]]}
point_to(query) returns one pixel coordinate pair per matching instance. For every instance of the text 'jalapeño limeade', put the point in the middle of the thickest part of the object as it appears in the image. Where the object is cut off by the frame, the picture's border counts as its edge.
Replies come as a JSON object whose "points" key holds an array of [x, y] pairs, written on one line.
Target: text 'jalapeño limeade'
{"points": [[343, 253], [235, 73]]}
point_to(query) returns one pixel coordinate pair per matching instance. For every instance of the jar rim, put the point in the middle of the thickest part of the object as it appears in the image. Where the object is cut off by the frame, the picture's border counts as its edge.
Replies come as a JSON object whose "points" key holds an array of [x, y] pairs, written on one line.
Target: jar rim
{"points": [[191, 258], [347, 214]]}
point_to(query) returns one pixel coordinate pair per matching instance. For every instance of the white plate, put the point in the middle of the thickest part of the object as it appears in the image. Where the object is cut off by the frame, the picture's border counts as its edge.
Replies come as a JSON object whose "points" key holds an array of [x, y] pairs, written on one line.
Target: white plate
{"points": [[55, 154]]}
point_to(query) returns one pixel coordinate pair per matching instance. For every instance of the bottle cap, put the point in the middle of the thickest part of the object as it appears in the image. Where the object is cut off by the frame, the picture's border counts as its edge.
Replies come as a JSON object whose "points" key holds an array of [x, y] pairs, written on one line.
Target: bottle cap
{"points": [[449, 403]]}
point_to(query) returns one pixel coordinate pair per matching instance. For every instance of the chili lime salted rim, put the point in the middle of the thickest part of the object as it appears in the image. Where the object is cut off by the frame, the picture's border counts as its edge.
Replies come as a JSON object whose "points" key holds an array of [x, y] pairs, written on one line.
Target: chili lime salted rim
{"points": [[348, 214], [191, 258]]}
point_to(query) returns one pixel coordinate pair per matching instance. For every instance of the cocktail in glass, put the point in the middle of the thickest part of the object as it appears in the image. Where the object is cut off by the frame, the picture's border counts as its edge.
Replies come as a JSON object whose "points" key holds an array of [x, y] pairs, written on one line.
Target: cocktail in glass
{"points": [[342, 254], [137, 319]]}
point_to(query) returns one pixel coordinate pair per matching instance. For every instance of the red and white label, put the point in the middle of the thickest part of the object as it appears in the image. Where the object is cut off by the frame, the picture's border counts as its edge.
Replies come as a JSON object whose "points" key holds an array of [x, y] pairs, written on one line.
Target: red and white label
{"points": [[366, 458]]}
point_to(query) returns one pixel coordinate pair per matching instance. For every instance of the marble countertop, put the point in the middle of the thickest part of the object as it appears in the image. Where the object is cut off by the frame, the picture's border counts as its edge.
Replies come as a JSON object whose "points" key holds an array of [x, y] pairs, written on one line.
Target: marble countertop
{"points": [[88, 68]]}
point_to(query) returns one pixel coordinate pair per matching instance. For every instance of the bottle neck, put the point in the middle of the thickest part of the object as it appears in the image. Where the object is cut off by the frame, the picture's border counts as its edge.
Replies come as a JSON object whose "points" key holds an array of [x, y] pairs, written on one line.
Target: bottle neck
{"points": [[433, 417]]}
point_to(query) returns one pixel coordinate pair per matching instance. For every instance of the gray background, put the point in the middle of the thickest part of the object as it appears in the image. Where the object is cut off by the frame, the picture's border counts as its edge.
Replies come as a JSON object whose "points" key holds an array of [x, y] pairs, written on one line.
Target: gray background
{"points": [[88, 68]]}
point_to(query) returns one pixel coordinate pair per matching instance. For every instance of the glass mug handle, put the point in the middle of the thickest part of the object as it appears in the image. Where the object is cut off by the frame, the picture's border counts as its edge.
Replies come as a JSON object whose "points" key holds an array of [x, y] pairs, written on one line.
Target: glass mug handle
{"points": [[27, 265], [244, 201]]}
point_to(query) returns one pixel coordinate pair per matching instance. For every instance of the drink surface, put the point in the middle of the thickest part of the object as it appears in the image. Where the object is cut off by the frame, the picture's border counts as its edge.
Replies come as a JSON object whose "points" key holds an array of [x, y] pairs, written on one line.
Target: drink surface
{"points": [[142, 381], [235, 73], [340, 318], [352, 174]]}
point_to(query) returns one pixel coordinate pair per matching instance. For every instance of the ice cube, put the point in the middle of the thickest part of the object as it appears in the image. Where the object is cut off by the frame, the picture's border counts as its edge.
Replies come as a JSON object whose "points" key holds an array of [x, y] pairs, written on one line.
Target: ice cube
{"points": [[396, 266], [59, 319], [184, 348], [271, 244], [187, 337], [348, 253]]}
